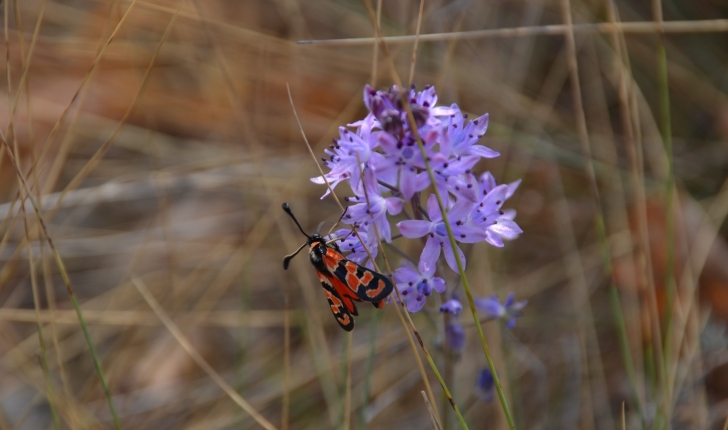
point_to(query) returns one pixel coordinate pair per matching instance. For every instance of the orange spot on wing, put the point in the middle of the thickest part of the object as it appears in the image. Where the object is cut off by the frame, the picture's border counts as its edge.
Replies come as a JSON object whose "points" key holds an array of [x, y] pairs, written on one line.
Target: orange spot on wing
{"points": [[367, 278], [335, 300], [353, 281], [380, 288], [345, 290], [332, 259]]}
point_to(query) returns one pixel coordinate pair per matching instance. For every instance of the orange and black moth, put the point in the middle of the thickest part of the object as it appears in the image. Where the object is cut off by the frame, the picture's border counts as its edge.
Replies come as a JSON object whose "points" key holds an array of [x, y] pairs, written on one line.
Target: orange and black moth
{"points": [[343, 280]]}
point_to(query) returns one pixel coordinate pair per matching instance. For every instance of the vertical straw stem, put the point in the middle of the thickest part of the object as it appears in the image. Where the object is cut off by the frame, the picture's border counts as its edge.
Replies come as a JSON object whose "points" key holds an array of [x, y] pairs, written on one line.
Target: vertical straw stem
{"points": [[417, 41], [400, 312], [192, 352], [580, 118], [67, 282], [666, 131], [375, 47], [443, 209], [286, 402], [616, 40], [39, 326], [421, 368]]}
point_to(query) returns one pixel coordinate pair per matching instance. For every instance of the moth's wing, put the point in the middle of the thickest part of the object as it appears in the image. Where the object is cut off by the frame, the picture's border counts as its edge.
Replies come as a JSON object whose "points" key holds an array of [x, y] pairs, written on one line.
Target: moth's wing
{"points": [[346, 295], [338, 308], [331, 262], [380, 304], [355, 280], [366, 284]]}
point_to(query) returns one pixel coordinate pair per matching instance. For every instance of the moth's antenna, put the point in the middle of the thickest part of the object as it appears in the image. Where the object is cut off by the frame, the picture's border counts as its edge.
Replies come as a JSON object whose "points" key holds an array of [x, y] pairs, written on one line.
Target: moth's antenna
{"points": [[288, 211], [288, 258], [340, 237], [340, 218]]}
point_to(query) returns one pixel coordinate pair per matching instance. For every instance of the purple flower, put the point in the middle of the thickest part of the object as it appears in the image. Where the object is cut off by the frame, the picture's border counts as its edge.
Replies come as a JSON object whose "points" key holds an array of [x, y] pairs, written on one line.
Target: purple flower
{"points": [[345, 155], [455, 336], [347, 241], [459, 137], [486, 385], [437, 232], [403, 160], [508, 311], [493, 223], [451, 306], [372, 206], [384, 165], [415, 285]]}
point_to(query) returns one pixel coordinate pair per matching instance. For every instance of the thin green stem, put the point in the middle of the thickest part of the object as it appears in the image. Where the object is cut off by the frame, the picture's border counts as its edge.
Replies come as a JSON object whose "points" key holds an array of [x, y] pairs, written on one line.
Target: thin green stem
{"points": [[666, 130], [670, 287], [464, 280], [41, 338], [67, 282], [404, 310], [624, 347]]}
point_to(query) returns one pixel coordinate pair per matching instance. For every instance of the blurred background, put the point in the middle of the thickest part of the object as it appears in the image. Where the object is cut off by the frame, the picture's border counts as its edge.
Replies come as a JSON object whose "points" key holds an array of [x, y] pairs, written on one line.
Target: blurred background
{"points": [[159, 141]]}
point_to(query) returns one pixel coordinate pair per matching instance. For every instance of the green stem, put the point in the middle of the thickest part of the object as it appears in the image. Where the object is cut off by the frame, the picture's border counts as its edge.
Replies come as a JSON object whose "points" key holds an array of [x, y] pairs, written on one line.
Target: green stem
{"points": [[97, 361], [666, 130], [67, 282], [461, 269]]}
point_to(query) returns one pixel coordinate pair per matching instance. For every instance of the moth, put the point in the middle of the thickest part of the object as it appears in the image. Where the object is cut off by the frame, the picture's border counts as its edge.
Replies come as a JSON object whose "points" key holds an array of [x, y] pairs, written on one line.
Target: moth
{"points": [[343, 280]]}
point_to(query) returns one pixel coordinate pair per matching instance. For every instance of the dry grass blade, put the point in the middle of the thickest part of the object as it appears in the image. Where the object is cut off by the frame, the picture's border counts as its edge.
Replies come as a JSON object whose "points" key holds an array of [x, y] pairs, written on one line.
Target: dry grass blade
{"points": [[435, 425], [397, 308], [187, 346], [157, 141], [707, 26], [67, 282]]}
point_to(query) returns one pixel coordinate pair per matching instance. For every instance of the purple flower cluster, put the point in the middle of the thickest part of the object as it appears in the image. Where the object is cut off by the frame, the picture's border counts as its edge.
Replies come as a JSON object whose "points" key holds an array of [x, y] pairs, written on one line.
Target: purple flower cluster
{"points": [[490, 307], [380, 158]]}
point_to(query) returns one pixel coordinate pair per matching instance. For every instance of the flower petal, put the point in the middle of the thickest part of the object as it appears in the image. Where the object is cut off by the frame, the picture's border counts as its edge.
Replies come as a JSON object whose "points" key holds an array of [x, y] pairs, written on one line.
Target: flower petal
{"points": [[414, 304], [407, 182], [460, 211], [414, 228], [431, 252], [512, 187], [468, 234], [482, 151], [385, 230], [490, 306], [505, 227], [433, 209], [487, 181], [451, 306], [450, 257], [387, 142], [444, 110], [481, 124], [438, 284], [394, 205], [494, 239], [405, 274], [494, 198]]}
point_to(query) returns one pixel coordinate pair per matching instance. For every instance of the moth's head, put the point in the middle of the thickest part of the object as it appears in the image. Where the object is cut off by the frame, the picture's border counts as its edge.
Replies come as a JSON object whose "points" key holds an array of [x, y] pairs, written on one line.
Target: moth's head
{"points": [[316, 237]]}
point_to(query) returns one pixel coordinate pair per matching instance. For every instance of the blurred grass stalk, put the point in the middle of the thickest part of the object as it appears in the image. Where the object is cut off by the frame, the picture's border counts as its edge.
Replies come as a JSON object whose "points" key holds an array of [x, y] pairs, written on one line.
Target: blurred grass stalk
{"points": [[67, 282], [464, 280], [389, 271]]}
